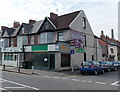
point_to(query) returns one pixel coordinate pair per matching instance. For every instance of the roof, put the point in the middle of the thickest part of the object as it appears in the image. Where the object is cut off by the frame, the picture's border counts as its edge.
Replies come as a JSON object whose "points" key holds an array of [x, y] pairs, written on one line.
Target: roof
{"points": [[36, 26], [102, 42], [15, 32], [64, 21], [110, 41], [27, 27], [9, 31]]}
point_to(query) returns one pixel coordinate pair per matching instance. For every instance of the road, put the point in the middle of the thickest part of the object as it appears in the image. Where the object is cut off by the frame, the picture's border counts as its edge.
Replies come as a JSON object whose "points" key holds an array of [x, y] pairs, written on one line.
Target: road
{"points": [[15, 81]]}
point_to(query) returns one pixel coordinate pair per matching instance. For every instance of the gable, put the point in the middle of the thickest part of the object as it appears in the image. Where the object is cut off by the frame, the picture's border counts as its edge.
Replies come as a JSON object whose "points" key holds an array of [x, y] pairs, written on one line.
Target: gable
{"points": [[25, 29], [77, 24], [5, 34], [47, 25]]}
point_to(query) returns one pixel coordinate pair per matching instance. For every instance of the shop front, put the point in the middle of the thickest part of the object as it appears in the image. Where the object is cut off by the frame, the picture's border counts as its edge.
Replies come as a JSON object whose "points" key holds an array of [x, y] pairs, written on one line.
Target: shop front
{"points": [[48, 57]]}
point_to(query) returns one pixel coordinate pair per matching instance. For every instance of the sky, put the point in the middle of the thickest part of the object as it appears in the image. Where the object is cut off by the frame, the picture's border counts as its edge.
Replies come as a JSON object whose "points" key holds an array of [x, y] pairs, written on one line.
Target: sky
{"points": [[101, 14]]}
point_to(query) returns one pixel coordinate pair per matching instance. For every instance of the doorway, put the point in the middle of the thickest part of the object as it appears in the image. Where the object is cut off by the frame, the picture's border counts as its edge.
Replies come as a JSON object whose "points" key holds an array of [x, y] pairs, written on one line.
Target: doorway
{"points": [[52, 61]]}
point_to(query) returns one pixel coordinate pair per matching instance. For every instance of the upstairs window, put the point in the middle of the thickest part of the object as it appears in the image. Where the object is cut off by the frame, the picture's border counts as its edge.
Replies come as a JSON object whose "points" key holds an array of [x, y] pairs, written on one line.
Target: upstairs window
{"points": [[32, 39], [85, 43], [112, 51], [46, 37], [84, 23], [60, 36], [47, 25], [23, 30]]}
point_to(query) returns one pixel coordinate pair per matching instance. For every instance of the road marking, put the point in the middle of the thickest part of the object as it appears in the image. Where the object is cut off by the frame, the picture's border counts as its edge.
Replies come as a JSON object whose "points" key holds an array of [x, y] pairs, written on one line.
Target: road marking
{"points": [[56, 77], [83, 80], [75, 79], [89, 81], [47, 76], [13, 87], [1, 81], [115, 83], [100, 82], [65, 78], [21, 84], [2, 89]]}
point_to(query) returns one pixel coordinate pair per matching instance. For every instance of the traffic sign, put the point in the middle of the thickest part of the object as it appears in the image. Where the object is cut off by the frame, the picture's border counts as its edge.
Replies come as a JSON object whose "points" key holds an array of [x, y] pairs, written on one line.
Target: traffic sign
{"points": [[71, 51]]}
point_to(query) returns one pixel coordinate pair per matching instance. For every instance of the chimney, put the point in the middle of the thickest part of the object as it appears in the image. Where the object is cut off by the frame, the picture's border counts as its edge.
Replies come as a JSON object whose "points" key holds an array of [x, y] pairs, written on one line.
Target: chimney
{"points": [[53, 15], [16, 24], [102, 33], [112, 33], [32, 21]]}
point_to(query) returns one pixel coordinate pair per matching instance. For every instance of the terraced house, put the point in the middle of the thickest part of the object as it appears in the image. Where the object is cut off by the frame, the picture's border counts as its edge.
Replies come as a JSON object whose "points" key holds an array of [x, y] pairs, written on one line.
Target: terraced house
{"points": [[54, 43]]}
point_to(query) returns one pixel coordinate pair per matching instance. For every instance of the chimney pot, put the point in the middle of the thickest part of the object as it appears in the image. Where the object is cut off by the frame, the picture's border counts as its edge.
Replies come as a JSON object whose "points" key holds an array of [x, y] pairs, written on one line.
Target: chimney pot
{"points": [[112, 33], [102, 33], [53, 15], [32, 21], [16, 24]]}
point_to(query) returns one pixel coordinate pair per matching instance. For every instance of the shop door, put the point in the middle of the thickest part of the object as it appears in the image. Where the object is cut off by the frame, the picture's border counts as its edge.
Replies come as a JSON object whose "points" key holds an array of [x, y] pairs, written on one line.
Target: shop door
{"points": [[52, 61]]}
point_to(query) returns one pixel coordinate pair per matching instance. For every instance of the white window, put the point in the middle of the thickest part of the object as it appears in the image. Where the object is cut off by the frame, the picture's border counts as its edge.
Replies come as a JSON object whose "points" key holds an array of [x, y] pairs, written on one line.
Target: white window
{"points": [[23, 30], [32, 39], [6, 42], [22, 40], [46, 37], [84, 23], [60, 36], [19, 41]]}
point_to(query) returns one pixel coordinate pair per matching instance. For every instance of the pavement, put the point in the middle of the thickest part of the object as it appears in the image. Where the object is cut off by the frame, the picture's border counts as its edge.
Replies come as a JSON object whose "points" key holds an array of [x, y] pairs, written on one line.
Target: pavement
{"points": [[40, 72]]}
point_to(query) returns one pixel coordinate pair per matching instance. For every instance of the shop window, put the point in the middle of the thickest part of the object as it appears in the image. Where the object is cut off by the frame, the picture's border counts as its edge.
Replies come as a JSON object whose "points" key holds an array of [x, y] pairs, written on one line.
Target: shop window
{"points": [[9, 56], [65, 60]]}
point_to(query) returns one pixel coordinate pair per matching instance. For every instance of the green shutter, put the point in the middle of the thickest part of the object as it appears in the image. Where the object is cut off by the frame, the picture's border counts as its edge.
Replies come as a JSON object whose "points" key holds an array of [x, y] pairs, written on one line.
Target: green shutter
{"points": [[40, 48]]}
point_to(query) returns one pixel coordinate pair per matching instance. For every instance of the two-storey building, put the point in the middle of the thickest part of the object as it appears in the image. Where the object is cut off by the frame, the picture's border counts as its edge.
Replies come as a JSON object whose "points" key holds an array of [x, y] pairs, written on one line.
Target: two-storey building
{"points": [[57, 42]]}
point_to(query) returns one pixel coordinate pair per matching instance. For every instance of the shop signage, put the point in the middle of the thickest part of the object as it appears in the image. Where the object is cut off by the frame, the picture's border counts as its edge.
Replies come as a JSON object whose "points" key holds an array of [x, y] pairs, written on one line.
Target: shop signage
{"points": [[12, 49], [71, 51], [40, 48], [64, 47], [79, 50]]}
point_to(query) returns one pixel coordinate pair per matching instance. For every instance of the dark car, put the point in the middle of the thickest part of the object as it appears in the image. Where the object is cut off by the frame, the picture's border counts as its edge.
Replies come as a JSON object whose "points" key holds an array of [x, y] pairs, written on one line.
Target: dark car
{"points": [[91, 67], [107, 66], [115, 64]]}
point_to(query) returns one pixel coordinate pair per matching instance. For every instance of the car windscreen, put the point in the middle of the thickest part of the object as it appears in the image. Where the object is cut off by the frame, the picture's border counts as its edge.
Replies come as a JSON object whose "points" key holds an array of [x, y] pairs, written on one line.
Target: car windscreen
{"points": [[86, 63], [103, 63]]}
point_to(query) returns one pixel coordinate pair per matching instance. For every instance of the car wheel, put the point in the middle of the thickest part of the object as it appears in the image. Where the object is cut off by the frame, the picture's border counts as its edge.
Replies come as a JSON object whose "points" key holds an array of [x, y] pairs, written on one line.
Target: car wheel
{"points": [[103, 71], [115, 68], [96, 73], [82, 73], [108, 69]]}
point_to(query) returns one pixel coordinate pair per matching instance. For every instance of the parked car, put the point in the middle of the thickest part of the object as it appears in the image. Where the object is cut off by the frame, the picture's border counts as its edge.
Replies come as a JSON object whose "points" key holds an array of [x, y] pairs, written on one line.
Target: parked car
{"points": [[91, 67], [107, 66], [115, 64]]}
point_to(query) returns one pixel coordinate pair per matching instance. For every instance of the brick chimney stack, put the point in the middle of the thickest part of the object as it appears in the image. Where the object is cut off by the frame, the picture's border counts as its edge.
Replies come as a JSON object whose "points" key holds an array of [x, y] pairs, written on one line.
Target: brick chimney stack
{"points": [[53, 15], [16, 24], [32, 21]]}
